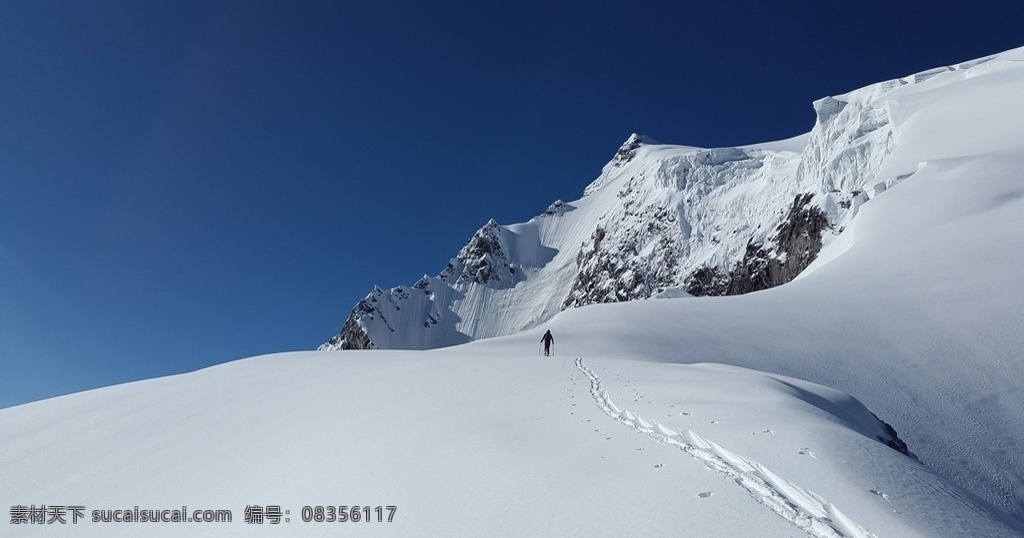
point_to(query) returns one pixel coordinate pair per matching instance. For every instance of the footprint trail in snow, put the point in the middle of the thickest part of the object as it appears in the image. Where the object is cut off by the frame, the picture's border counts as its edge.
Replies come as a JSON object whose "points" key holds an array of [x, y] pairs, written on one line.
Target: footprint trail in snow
{"points": [[805, 509]]}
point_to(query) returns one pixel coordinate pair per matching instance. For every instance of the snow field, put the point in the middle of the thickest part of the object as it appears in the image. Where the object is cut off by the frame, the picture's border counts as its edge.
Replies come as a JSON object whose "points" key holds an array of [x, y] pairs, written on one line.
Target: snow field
{"points": [[694, 416]]}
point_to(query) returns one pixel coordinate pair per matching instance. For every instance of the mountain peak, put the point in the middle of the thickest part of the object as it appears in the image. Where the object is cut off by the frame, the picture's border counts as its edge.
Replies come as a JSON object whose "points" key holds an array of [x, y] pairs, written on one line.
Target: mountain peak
{"points": [[627, 150], [718, 221], [484, 260]]}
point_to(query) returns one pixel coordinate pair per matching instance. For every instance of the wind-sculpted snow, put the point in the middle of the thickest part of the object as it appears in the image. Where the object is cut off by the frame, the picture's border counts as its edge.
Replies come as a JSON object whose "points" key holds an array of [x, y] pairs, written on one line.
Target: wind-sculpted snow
{"points": [[788, 471], [805, 509], [848, 144], [486, 439]]}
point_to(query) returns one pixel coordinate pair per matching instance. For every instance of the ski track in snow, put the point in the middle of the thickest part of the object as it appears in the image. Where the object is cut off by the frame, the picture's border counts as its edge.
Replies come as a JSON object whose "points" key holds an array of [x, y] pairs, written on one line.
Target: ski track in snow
{"points": [[801, 507]]}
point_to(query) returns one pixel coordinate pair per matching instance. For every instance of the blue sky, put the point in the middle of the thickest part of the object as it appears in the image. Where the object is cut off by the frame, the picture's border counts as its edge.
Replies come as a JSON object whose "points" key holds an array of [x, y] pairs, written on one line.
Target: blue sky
{"points": [[188, 183]]}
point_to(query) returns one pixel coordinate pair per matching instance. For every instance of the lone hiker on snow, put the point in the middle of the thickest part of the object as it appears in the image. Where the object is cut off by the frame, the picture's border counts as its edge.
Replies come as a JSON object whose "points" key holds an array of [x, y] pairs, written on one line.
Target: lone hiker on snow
{"points": [[548, 340]]}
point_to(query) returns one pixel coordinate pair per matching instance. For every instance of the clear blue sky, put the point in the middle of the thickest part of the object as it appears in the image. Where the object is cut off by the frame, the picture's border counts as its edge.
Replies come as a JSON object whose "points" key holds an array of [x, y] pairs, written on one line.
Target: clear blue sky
{"points": [[188, 183]]}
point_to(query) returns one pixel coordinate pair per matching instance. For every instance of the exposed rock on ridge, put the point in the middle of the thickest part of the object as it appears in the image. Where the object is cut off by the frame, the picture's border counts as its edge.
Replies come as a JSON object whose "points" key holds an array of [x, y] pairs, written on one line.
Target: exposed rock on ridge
{"points": [[482, 261], [352, 335], [627, 151], [614, 271], [796, 243]]}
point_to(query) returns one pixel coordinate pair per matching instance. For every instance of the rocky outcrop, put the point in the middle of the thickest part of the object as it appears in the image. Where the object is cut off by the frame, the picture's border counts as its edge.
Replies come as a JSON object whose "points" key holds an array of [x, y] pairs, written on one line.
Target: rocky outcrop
{"points": [[482, 261], [386, 318], [627, 151], [892, 439], [707, 281], [352, 335], [632, 264], [557, 209], [623, 156], [796, 243]]}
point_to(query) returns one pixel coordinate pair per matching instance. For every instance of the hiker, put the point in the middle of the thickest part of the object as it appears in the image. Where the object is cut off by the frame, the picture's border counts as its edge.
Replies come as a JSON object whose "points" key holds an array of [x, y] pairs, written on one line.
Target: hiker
{"points": [[547, 339]]}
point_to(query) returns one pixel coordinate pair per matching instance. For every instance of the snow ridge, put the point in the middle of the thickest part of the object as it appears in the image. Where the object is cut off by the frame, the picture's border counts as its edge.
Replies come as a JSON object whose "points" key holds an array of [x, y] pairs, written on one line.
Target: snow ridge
{"points": [[801, 507]]}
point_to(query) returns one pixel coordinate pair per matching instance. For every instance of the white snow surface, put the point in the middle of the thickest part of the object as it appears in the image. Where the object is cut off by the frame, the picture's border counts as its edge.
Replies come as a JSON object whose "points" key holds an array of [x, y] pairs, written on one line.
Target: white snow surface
{"points": [[728, 416]]}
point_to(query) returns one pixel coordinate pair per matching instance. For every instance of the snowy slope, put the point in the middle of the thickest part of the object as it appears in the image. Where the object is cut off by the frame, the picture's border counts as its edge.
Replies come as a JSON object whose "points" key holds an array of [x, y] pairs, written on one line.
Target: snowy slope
{"points": [[748, 415], [473, 442], [711, 221]]}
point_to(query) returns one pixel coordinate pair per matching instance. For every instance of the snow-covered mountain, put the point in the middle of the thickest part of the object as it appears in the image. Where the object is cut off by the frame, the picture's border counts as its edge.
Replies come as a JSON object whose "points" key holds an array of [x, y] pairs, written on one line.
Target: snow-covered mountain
{"points": [[720, 221], [764, 414]]}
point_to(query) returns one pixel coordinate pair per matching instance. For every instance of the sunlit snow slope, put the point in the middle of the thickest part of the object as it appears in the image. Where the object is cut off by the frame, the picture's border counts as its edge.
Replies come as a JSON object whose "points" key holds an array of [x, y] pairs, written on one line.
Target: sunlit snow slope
{"points": [[747, 415], [479, 441]]}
